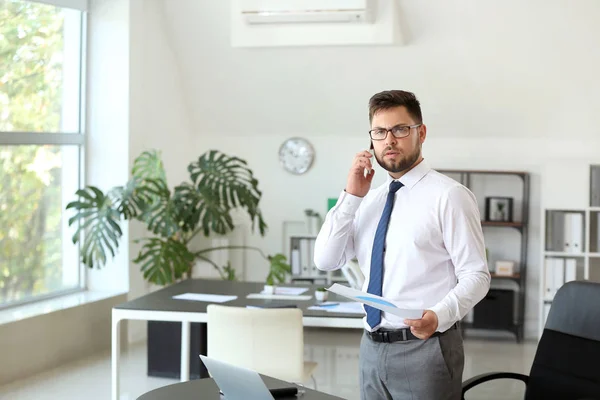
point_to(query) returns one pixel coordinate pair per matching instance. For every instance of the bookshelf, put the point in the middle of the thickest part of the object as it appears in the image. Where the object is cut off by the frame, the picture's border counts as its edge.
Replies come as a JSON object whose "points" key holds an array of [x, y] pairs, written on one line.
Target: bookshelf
{"points": [[506, 237], [571, 246], [301, 253]]}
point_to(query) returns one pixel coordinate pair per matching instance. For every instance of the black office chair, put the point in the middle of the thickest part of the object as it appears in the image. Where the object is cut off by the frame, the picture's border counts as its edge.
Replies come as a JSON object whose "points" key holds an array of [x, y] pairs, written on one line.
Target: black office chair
{"points": [[567, 361]]}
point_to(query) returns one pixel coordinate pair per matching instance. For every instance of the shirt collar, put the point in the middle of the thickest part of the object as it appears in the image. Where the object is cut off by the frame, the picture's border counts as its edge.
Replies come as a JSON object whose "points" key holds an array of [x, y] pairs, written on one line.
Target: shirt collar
{"points": [[413, 176]]}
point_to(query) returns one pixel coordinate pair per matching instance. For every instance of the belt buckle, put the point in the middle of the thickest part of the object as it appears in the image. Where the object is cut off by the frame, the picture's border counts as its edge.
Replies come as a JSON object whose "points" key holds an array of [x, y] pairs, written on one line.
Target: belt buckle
{"points": [[386, 336]]}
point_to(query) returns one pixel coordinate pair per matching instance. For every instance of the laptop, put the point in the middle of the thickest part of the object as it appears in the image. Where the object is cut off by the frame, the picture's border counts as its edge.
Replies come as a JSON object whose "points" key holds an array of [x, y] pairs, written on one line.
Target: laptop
{"points": [[237, 383]]}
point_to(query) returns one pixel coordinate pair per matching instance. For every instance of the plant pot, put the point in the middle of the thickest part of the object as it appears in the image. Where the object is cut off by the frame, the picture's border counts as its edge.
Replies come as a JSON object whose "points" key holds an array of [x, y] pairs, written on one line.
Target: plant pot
{"points": [[269, 289], [320, 295]]}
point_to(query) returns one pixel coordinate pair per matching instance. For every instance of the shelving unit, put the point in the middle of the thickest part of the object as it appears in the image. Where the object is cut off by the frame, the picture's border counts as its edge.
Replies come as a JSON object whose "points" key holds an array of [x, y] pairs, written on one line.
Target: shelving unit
{"points": [[504, 306], [301, 256], [571, 246]]}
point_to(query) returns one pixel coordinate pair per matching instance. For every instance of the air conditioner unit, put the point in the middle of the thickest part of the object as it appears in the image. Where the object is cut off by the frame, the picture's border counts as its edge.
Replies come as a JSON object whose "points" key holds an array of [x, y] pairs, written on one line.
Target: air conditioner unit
{"points": [[306, 11]]}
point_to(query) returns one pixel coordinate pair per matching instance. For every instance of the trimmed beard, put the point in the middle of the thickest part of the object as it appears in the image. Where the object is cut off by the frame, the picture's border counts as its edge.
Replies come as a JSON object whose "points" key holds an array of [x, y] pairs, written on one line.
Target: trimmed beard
{"points": [[401, 165]]}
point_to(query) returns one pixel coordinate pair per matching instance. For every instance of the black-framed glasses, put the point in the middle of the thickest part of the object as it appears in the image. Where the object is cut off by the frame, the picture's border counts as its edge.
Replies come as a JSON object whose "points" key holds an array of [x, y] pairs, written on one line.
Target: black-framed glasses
{"points": [[399, 132]]}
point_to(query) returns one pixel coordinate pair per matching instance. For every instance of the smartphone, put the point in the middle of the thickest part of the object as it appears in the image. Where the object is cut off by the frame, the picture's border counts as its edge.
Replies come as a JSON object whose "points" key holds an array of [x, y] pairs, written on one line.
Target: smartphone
{"points": [[372, 151]]}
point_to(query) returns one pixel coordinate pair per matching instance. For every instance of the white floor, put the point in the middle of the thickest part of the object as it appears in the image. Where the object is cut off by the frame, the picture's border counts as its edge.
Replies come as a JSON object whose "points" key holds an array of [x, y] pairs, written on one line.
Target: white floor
{"points": [[336, 351]]}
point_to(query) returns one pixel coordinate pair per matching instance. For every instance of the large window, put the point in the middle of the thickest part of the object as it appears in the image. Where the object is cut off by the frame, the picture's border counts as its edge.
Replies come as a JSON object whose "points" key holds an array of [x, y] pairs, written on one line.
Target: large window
{"points": [[41, 147]]}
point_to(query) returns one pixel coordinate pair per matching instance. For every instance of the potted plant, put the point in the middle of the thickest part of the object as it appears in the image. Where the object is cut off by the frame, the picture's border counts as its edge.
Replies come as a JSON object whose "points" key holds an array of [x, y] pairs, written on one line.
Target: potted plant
{"points": [[218, 184], [278, 270], [321, 294]]}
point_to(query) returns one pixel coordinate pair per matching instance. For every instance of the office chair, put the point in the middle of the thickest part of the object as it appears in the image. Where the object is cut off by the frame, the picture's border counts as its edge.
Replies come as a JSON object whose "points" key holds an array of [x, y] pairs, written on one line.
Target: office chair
{"points": [[567, 361], [268, 341]]}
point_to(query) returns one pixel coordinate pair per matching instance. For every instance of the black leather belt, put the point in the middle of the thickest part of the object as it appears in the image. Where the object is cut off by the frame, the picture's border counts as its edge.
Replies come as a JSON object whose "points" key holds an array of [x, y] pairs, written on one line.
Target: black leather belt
{"points": [[398, 335]]}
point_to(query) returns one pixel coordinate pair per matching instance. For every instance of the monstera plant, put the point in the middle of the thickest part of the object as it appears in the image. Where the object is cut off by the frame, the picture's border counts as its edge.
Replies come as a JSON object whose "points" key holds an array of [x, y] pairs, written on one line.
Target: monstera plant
{"points": [[219, 184]]}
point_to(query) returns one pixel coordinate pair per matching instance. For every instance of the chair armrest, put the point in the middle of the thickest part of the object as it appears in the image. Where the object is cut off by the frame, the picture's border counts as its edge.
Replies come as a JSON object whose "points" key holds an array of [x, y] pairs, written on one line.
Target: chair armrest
{"points": [[489, 376]]}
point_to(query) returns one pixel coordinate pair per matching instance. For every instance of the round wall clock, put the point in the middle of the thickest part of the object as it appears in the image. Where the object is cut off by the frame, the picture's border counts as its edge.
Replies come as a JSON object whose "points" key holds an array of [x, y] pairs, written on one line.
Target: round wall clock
{"points": [[296, 155]]}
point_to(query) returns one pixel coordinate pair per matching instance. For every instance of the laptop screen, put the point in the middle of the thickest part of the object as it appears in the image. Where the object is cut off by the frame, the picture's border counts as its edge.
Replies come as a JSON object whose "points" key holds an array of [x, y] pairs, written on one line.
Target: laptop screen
{"points": [[236, 383]]}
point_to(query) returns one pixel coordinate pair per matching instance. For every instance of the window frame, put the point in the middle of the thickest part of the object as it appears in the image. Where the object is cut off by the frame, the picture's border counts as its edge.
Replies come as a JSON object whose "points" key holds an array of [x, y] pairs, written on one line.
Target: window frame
{"points": [[23, 138]]}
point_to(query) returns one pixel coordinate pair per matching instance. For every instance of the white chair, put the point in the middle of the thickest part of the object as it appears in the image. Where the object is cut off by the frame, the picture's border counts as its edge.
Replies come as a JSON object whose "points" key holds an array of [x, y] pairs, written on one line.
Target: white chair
{"points": [[268, 341], [353, 274]]}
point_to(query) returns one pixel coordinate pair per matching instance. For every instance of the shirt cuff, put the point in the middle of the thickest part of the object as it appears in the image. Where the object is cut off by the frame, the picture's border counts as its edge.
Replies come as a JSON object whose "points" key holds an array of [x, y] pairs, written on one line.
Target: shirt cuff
{"points": [[348, 203], [445, 319]]}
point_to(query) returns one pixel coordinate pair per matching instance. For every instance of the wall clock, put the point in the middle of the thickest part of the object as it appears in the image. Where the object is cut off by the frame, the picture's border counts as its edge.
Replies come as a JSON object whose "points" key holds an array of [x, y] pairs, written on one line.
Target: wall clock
{"points": [[296, 155]]}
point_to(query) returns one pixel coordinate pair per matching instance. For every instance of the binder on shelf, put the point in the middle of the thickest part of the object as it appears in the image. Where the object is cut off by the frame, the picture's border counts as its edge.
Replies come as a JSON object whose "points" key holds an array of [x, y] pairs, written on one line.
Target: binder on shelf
{"points": [[304, 257], [295, 261], [573, 239], [570, 269], [559, 275], [302, 260], [554, 275], [548, 278], [556, 233]]}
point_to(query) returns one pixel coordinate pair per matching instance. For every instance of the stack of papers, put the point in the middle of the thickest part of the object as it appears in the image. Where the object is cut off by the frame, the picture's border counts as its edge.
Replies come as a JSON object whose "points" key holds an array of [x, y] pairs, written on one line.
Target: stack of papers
{"points": [[289, 291], [349, 307], [283, 293], [208, 298], [279, 296]]}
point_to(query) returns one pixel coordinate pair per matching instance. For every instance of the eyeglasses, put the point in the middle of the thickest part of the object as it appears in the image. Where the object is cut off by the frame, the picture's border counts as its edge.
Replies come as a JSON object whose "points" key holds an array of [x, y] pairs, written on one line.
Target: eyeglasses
{"points": [[399, 132]]}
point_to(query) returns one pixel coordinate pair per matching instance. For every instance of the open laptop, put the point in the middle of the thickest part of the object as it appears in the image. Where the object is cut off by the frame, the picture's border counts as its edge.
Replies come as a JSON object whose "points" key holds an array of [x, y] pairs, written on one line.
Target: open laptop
{"points": [[237, 383]]}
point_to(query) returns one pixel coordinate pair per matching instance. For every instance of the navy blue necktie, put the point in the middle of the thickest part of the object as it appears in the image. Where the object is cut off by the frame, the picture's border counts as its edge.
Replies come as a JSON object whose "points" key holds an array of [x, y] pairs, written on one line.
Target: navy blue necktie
{"points": [[376, 273]]}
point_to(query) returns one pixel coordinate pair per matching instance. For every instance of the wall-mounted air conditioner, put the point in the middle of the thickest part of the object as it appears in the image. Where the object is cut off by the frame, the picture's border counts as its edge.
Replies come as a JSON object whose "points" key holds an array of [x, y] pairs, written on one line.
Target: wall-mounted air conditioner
{"points": [[307, 11]]}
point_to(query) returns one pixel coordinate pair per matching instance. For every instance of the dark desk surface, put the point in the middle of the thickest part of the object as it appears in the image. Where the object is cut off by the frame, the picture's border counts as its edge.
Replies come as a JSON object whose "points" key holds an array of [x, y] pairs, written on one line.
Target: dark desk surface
{"points": [[162, 300], [206, 389]]}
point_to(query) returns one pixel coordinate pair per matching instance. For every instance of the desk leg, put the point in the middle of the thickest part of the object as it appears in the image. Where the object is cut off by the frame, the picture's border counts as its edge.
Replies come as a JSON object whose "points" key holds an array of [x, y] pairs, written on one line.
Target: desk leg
{"points": [[203, 349], [185, 351], [116, 351]]}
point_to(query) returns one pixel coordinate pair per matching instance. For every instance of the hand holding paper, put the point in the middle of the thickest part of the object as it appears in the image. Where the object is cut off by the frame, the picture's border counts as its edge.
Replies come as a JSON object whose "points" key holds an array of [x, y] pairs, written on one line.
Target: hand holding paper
{"points": [[374, 301], [425, 327]]}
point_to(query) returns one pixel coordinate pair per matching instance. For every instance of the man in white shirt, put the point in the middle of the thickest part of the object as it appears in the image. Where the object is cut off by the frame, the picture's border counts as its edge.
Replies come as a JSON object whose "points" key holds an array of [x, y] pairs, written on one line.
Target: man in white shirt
{"points": [[419, 242]]}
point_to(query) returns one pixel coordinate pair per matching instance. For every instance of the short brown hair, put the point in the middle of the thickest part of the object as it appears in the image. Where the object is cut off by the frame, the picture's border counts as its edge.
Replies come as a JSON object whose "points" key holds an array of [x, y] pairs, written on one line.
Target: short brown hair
{"points": [[395, 98]]}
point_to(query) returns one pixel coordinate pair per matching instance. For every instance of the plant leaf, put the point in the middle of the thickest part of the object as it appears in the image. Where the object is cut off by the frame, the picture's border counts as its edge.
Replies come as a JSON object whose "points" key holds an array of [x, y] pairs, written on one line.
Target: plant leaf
{"points": [[98, 226], [187, 203], [224, 183], [161, 213], [162, 261], [149, 165], [132, 199], [279, 269]]}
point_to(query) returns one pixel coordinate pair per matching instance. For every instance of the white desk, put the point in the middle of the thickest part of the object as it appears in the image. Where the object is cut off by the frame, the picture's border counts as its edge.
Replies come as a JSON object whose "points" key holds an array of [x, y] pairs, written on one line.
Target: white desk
{"points": [[160, 306]]}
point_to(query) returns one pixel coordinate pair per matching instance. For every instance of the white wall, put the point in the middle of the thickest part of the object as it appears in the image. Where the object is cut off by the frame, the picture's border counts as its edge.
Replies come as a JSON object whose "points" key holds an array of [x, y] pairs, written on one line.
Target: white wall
{"points": [[35, 345], [481, 68], [509, 85], [158, 118], [107, 120]]}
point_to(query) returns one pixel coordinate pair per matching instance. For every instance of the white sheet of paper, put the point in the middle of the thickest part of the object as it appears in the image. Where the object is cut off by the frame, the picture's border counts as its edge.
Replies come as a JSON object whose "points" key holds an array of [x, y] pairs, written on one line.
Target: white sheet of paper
{"points": [[278, 296], [374, 301], [290, 291], [209, 298]]}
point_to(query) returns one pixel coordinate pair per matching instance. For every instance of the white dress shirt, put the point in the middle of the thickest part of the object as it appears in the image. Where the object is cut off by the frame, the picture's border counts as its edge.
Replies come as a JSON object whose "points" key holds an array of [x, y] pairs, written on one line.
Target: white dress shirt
{"points": [[435, 253]]}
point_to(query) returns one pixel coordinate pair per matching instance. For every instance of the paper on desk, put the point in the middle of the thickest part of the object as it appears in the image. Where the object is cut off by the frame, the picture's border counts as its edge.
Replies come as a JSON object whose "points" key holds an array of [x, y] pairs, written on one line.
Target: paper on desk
{"points": [[209, 298], [374, 301], [290, 291], [350, 307], [279, 296]]}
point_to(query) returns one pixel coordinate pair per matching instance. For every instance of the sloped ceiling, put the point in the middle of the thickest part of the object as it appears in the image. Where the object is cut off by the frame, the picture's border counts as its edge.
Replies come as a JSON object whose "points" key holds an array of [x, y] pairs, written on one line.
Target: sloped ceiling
{"points": [[495, 68]]}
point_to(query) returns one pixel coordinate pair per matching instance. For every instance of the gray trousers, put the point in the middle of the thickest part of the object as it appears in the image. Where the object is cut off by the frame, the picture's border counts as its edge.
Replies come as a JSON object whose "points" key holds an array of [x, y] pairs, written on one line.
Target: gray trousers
{"points": [[414, 369]]}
